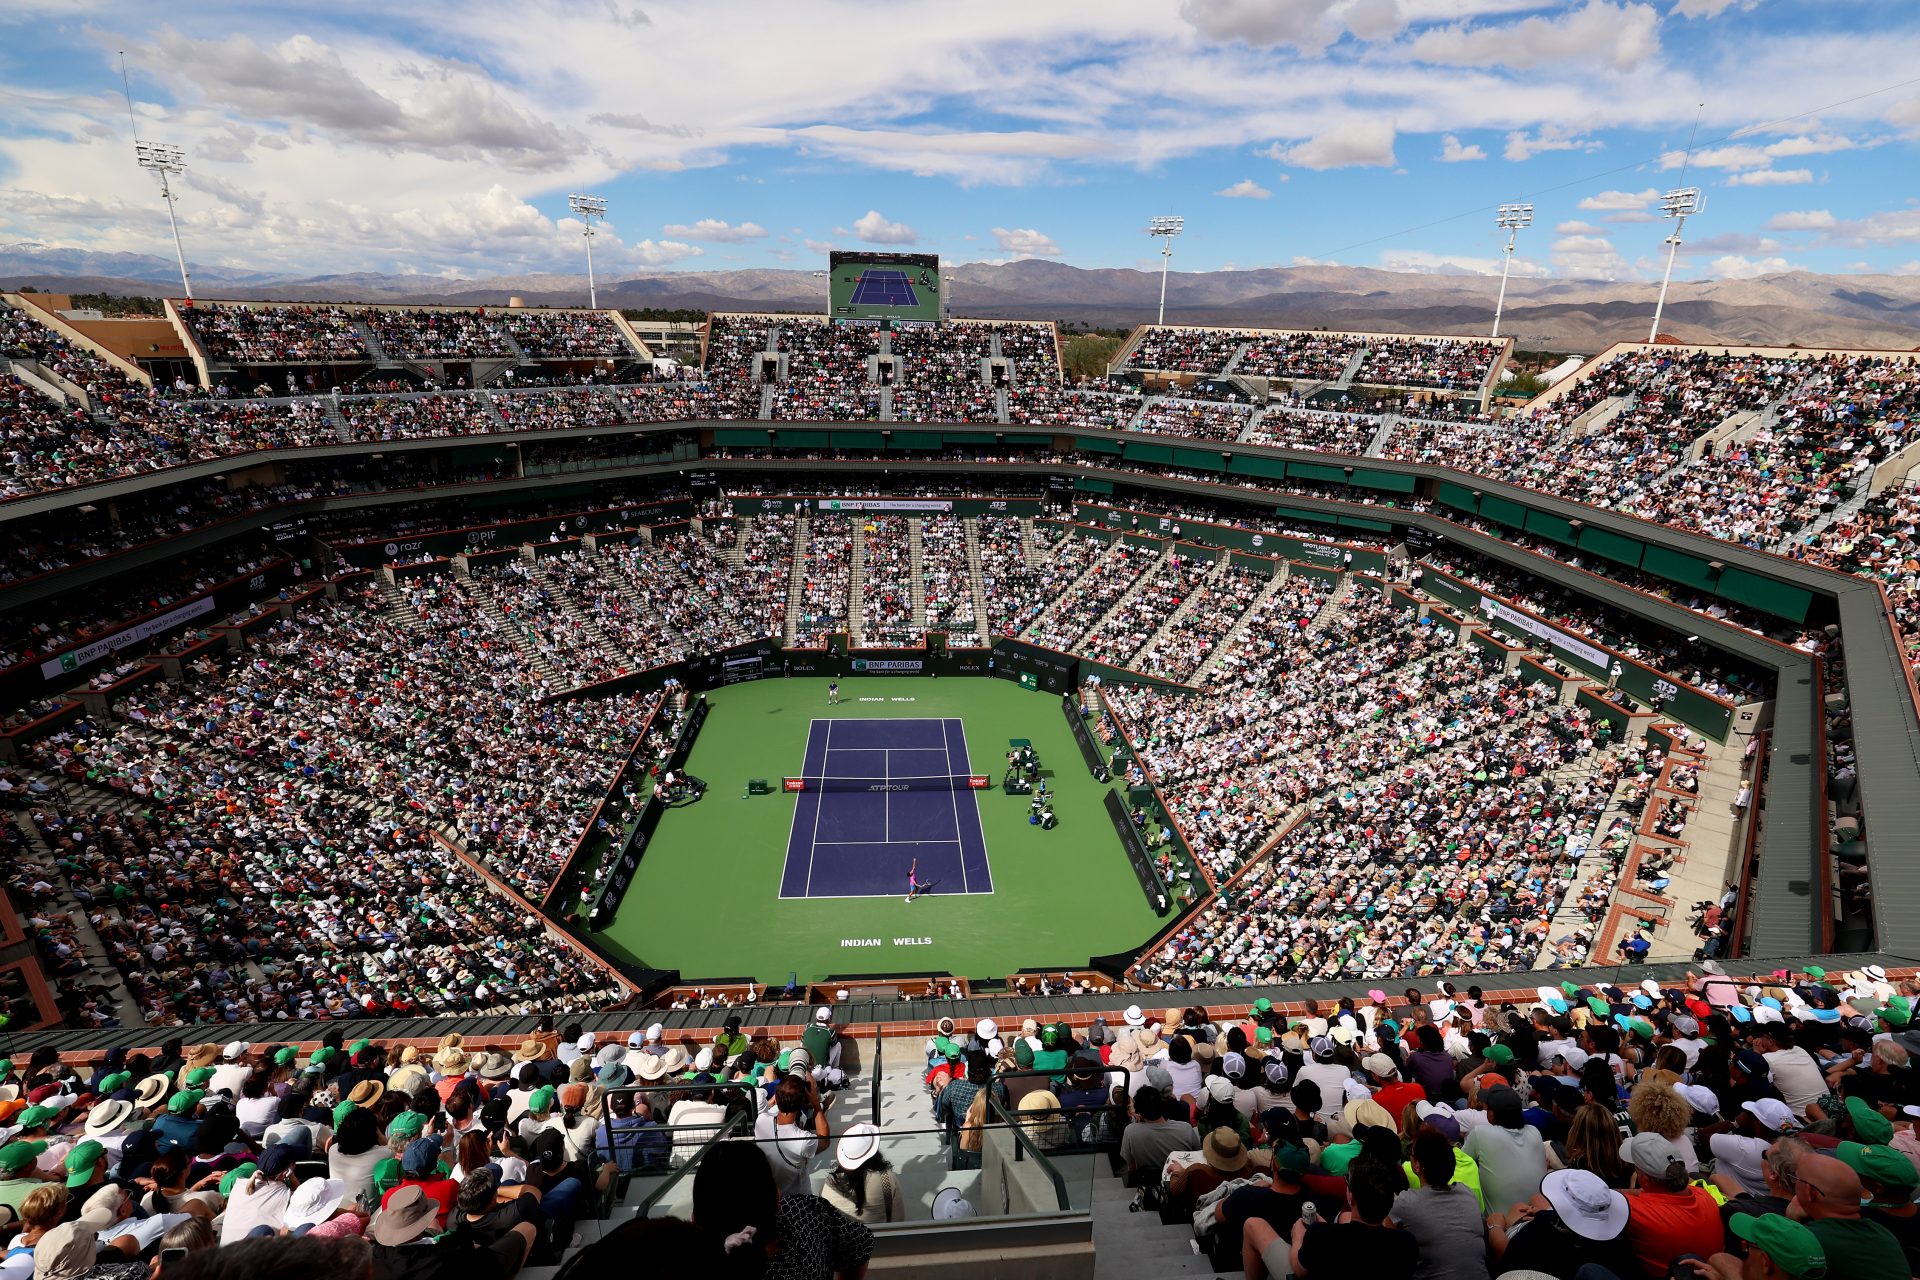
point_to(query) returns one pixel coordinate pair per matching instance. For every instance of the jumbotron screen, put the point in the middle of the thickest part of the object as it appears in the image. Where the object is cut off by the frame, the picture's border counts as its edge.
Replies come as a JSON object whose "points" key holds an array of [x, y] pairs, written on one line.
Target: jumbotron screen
{"points": [[884, 286]]}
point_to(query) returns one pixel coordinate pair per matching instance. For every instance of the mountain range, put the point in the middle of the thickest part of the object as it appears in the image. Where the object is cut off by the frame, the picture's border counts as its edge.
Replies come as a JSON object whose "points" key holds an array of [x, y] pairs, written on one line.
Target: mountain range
{"points": [[1791, 308]]}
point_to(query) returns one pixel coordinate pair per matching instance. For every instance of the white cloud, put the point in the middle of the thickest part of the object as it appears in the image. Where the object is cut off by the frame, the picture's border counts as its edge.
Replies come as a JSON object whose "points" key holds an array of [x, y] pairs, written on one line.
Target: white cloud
{"points": [[1737, 156], [1589, 257], [1802, 220], [1811, 144], [1349, 143], [1617, 201], [1708, 8], [1451, 152], [969, 158], [1245, 189], [715, 229], [1771, 178], [1735, 267], [1522, 147], [1307, 25], [820, 246], [1422, 262], [1898, 226], [1622, 36], [1025, 242], [1904, 114], [1576, 228], [874, 229]]}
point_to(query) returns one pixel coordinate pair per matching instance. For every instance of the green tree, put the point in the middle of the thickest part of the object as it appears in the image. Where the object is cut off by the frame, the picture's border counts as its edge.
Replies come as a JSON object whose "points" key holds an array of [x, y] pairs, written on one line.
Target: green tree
{"points": [[1086, 355]]}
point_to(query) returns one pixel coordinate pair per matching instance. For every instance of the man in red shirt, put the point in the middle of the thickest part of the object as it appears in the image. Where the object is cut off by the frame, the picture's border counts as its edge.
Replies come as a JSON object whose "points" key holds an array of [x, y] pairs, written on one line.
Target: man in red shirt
{"points": [[420, 1167], [1666, 1215], [1389, 1090]]}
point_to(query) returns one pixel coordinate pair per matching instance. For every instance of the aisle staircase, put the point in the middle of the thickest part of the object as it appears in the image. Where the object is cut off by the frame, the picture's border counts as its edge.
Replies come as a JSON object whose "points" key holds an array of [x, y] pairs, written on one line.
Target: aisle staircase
{"points": [[975, 576], [856, 581], [916, 572], [1232, 638], [797, 574]]}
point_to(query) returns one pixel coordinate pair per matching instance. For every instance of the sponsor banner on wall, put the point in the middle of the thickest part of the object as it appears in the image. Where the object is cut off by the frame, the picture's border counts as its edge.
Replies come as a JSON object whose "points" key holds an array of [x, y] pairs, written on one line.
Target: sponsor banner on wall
{"points": [[885, 504], [1491, 608], [885, 665], [73, 660]]}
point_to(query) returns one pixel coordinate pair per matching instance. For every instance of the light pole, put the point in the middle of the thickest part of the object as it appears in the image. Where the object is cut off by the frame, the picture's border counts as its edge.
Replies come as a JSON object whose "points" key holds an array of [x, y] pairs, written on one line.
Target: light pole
{"points": [[1510, 218], [1676, 204], [589, 208], [167, 160], [1166, 229]]}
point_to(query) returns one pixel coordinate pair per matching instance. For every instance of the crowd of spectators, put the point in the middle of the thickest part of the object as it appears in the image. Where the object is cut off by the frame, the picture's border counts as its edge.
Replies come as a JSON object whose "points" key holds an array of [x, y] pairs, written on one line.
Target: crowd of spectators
{"points": [[946, 580], [1088, 578], [829, 374], [1300, 357], [886, 588], [566, 335], [1449, 364], [827, 577], [233, 333], [1192, 636], [1194, 419], [409, 334], [1052, 405], [1186, 350], [1125, 630], [1289, 427]]}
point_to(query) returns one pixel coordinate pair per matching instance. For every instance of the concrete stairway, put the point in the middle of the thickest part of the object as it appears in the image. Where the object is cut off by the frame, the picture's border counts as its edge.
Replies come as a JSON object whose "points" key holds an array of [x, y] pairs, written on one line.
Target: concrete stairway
{"points": [[974, 573], [1229, 640], [399, 612], [1352, 371], [856, 582], [916, 572], [517, 636], [797, 576], [101, 971], [607, 645], [1332, 609]]}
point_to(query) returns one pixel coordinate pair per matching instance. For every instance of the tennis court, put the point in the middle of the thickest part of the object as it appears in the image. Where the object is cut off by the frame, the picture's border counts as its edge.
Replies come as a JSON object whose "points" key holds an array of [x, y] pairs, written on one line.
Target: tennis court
{"points": [[880, 287], [875, 797]]}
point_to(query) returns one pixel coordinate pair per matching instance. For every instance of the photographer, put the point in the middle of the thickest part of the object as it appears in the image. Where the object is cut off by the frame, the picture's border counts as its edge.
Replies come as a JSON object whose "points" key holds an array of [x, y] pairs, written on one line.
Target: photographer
{"points": [[792, 1130]]}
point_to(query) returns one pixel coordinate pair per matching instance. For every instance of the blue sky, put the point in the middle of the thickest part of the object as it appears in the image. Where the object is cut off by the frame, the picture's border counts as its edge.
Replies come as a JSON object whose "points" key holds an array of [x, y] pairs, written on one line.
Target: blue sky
{"points": [[755, 133]]}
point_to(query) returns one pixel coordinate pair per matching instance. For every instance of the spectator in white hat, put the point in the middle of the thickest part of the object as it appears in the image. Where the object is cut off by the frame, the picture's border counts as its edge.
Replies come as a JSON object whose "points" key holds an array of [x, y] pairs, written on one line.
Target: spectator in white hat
{"points": [[1740, 1157], [863, 1185]]}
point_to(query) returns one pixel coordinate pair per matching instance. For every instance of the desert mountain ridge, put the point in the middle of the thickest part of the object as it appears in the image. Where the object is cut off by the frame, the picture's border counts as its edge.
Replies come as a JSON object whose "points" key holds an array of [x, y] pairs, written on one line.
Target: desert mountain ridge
{"points": [[1791, 308]]}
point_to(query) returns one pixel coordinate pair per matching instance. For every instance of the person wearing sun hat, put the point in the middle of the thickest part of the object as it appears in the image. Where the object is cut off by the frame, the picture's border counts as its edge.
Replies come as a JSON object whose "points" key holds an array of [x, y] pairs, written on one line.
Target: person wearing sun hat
{"points": [[1584, 1225]]}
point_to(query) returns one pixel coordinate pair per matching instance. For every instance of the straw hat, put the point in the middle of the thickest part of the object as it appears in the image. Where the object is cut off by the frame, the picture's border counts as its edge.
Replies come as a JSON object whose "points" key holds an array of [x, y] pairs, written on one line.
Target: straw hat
{"points": [[530, 1050]]}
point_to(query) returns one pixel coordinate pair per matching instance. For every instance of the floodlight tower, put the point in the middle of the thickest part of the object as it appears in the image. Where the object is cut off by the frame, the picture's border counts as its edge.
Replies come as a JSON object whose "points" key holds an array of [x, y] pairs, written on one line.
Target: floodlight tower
{"points": [[589, 208], [1166, 229], [1677, 204], [1510, 218], [167, 160]]}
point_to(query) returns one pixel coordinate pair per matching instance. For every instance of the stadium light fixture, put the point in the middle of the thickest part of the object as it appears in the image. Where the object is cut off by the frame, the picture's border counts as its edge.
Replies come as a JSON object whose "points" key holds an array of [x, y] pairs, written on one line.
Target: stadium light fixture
{"points": [[1510, 218], [1166, 229], [1678, 204], [589, 208], [166, 160]]}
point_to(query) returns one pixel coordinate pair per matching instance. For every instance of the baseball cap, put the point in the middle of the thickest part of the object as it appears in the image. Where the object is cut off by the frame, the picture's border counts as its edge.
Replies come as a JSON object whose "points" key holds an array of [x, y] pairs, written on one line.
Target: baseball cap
{"points": [[1771, 1113], [541, 1099], [16, 1156], [80, 1162], [1498, 1054], [1700, 1098], [1885, 1165], [408, 1124], [1869, 1124], [823, 1014], [1652, 1155], [1379, 1064], [422, 1157], [1220, 1089], [1793, 1248]]}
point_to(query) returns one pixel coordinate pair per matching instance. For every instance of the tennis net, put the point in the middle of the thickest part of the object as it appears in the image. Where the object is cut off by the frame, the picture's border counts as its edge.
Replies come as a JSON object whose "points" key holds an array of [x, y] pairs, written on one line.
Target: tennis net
{"points": [[928, 782]]}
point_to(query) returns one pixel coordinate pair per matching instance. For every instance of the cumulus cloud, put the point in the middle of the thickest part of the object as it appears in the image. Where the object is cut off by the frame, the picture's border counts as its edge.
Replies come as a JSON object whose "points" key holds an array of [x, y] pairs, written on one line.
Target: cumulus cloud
{"points": [[1735, 267], [1576, 228], [432, 106], [1621, 36], [1588, 257], [1422, 262], [1771, 178], [1737, 156], [1025, 242], [715, 229], [1617, 201], [872, 228], [1352, 143], [968, 157], [1522, 146], [1245, 189], [1802, 220], [1307, 25], [1451, 152], [1708, 8]]}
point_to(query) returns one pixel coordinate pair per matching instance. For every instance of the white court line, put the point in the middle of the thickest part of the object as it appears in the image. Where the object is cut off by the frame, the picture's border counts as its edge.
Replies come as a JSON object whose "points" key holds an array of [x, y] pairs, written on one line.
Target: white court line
{"points": [[886, 797], [955, 796], [813, 841]]}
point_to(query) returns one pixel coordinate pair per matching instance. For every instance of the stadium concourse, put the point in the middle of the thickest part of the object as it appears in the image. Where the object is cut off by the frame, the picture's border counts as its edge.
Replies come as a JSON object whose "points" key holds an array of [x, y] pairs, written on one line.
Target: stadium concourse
{"points": [[346, 656]]}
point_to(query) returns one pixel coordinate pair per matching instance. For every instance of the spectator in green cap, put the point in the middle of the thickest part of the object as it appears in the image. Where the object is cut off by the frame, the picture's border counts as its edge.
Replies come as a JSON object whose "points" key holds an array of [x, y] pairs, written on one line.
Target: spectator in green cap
{"points": [[18, 1176], [1826, 1196], [1868, 1125], [86, 1166], [1777, 1246], [178, 1127], [408, 1124]]}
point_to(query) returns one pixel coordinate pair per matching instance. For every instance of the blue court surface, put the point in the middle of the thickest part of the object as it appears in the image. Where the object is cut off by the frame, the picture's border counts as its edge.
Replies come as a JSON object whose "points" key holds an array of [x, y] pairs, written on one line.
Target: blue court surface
{"points": [[878, 795], [881, 288]]}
